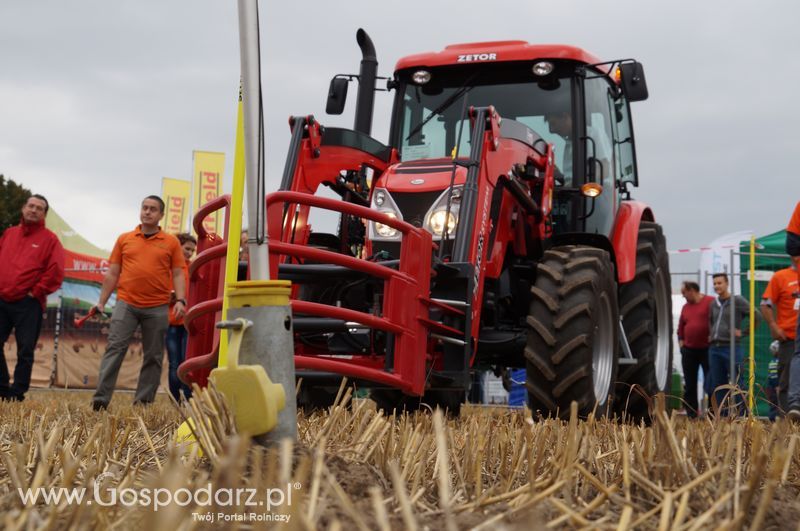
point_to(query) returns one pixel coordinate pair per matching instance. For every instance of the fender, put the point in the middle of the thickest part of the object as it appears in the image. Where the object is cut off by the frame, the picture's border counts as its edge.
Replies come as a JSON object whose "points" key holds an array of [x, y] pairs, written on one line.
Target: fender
{"points": [[625, 236]]}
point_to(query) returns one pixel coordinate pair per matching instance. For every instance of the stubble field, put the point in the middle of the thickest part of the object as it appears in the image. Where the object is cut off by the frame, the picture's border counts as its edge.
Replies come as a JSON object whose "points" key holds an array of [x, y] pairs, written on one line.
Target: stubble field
{"points": [[354, 468]]}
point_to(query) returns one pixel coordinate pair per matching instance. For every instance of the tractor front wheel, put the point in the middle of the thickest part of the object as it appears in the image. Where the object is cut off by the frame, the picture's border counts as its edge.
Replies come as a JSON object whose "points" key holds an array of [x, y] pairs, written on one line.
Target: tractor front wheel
{"points": [[573, 342]]}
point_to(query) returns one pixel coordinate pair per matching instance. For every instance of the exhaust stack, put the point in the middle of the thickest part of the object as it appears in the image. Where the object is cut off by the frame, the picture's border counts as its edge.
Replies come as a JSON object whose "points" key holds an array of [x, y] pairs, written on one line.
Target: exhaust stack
{"points": [[366, 83]]}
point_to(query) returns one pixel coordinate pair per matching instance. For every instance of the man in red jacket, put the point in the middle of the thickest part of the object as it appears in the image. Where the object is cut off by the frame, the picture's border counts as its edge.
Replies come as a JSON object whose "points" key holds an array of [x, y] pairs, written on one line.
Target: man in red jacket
{"points": [[31, 267], [693, 340]]}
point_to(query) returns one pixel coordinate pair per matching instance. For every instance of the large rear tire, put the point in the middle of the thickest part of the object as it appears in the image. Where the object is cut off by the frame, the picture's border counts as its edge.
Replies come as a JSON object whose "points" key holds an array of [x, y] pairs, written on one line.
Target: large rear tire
{"points": [[646, 310], [573, 343]]}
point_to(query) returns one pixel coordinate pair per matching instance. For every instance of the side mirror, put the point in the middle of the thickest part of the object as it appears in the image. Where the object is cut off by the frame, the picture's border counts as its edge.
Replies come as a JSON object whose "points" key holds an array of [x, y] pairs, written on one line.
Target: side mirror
{"points": [[337, 95], [634, 85]]}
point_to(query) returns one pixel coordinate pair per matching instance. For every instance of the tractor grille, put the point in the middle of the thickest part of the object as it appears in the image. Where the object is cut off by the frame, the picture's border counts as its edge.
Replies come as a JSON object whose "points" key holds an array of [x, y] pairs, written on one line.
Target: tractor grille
{"points": [[414, 206]]}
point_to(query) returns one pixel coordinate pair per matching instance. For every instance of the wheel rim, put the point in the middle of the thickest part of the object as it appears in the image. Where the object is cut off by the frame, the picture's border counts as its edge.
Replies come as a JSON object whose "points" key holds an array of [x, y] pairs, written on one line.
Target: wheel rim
{"points": [[662, 333], [603, 351]]}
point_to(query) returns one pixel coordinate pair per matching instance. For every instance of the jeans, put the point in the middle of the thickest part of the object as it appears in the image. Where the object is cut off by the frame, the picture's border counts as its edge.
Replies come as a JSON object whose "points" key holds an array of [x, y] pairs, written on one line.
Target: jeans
{"points": [[691, 360], [719, 362], [25, 317], [176, 353], [794, 373], [124, 321]]}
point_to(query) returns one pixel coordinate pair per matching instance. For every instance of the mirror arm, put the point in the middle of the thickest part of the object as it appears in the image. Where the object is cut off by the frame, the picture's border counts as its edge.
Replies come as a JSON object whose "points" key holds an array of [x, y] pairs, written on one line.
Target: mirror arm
{"points": [[623, 189]]}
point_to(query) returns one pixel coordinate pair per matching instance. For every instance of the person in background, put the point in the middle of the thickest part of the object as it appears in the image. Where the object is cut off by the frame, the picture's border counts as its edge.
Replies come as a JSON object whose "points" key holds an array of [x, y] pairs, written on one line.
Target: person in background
{"points": [[244, 257], [176, 333], [779, 305], [719, 350], [693, 335], [772, 389], [31, 268], [793, 249], [145, 264]]}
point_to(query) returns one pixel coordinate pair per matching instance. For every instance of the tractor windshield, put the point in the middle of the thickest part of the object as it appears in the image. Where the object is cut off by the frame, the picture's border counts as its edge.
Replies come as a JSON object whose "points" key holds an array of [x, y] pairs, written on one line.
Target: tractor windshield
{"points": [[432, 116]]}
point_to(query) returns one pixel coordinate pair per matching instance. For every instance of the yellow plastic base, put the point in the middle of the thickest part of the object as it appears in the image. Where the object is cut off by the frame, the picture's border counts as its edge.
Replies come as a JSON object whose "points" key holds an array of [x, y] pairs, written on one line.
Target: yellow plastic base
{"points": [[185, 440], [255, 401], [258, 293]]}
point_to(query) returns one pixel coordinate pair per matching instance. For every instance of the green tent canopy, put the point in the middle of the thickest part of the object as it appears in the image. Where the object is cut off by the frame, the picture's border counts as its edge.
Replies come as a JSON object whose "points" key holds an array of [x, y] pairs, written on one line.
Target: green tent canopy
{"points": [[770, 256]]}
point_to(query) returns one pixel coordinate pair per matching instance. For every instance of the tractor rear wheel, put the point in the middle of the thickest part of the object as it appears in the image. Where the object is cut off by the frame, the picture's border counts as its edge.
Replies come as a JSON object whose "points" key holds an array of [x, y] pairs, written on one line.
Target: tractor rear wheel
{"points": [[573, 342], [646, 310]]}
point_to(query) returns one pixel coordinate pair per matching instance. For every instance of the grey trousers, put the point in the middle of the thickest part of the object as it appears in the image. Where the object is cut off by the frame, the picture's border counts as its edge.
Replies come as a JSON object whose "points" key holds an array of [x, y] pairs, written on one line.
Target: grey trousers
{"points": [[794, 373], [124, 320], [785, 352]]}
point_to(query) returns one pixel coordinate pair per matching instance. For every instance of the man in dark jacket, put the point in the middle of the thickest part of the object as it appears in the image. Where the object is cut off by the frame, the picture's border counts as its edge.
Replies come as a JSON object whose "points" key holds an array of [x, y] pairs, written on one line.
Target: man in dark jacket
{"points": [[719, 350], [31, 267]]}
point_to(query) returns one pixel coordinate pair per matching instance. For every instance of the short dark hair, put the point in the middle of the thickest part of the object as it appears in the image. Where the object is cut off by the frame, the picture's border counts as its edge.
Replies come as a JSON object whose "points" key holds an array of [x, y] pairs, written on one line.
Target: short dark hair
{"points": [[158, 200], [723, 275], [41, 198], [184, 237], [691, 286]]}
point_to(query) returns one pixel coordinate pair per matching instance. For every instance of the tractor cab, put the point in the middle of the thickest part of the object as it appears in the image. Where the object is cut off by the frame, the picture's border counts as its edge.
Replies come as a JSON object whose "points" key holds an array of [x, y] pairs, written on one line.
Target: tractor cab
{"points": [[558, 95]]}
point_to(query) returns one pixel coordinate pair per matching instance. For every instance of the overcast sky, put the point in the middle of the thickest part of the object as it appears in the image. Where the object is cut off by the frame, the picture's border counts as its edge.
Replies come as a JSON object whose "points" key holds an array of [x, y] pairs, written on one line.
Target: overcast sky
{"points": [[99, 100]]}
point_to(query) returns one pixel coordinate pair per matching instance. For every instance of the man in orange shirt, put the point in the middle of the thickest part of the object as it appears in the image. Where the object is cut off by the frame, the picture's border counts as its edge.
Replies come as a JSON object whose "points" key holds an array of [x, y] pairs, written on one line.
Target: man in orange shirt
{"points": [[144, 266], [793, 235], [793, 249], [779, 306]]}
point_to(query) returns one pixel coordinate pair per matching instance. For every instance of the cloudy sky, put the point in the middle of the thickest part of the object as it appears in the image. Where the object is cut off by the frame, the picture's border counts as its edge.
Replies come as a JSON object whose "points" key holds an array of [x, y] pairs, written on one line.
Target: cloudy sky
{"points": [[99, 100]]}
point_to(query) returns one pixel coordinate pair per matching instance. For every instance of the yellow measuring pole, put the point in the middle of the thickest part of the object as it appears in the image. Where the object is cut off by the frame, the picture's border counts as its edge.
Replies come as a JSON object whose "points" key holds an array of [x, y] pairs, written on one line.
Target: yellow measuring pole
{"points": [[752, 380], [234, 227]]}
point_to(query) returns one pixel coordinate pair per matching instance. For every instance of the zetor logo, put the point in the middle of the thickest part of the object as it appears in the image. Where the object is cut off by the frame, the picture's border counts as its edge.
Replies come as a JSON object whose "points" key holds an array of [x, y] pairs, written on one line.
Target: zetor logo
{"points": [[477, 57]]}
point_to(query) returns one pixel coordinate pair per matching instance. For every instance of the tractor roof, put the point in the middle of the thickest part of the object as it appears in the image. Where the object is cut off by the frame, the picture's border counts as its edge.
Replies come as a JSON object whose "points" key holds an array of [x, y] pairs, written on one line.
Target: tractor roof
{"points": [[499, 51]]}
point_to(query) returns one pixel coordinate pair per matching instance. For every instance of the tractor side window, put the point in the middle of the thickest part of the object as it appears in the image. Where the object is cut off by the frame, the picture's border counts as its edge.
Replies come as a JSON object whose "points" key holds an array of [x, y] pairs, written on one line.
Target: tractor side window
{"points": [[599, 154], [623, 141], [598, 129]]}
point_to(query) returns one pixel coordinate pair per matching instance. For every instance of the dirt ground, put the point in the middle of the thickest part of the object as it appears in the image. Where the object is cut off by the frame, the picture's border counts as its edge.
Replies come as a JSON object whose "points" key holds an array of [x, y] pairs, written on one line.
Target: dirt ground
{"points": [[353, 468]]}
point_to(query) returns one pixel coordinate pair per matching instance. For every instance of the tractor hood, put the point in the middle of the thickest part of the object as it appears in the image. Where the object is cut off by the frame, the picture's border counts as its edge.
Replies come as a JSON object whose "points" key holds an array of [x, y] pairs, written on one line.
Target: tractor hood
{"points": [[421, 176]]}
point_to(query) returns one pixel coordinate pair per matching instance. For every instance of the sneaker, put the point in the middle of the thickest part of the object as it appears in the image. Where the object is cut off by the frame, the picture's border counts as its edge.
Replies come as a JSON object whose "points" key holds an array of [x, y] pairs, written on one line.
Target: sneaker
{"points": [[794, 414], [99, 406], [11, 397]]}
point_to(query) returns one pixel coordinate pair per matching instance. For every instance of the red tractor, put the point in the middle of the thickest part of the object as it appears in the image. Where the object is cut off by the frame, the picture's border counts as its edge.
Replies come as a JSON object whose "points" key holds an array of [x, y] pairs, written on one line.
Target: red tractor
{"points": [[495, 229]]}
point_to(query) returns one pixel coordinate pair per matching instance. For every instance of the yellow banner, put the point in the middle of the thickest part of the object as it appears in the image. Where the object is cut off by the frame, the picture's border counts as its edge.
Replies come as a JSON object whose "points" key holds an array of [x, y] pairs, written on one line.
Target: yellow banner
{"points": [[176, 196], [207, 185]]}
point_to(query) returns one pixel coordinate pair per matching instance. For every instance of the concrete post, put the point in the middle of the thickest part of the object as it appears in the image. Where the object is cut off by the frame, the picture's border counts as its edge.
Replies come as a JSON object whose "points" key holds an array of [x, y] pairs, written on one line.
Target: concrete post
{"points": [[269, 343]]}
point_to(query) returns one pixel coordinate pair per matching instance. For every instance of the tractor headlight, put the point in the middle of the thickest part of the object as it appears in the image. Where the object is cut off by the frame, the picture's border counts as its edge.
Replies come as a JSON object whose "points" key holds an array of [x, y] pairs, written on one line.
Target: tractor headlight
{"points": [[420, 77], [438, 218], [542, 68], [386, 231], [382, 202], [437, 222]]}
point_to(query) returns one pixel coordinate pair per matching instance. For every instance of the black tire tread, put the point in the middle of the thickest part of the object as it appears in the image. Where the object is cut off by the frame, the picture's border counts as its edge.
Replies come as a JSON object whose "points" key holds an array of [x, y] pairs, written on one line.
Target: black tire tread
{"points": [[563, 311], [637, 309]]}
